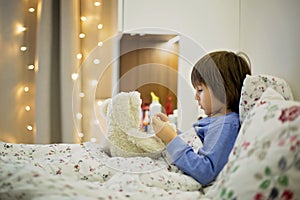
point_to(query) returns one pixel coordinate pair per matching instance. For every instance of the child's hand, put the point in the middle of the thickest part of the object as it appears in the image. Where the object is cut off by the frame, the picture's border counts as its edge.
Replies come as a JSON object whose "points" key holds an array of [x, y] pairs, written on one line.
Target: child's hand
{"points": [[162, 117], [163, 130]]}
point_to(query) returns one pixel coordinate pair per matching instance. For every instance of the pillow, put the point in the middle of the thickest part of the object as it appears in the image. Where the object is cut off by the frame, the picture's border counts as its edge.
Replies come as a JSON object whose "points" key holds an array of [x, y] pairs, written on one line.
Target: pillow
{"points": [[270, 94], [255, 85], [265, 161]]}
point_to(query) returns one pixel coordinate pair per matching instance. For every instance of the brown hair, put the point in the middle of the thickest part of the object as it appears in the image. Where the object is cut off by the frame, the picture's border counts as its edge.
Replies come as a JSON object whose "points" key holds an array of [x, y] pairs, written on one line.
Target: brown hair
{"points": [[223, 72]]}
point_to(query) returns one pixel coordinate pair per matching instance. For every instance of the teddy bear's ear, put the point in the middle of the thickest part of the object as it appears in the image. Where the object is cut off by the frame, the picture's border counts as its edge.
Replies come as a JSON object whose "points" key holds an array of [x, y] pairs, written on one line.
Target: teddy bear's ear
{"points": [[104, 107], [135, 99]]}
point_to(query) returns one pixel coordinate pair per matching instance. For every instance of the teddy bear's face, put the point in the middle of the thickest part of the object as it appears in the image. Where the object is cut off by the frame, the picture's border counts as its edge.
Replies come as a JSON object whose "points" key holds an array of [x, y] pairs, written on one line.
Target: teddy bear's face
{"points": [[123, 111], [123, 115]]}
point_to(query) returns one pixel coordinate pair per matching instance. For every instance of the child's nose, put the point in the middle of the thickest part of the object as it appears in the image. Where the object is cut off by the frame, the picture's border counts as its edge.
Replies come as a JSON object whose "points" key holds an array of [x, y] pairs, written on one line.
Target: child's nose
{"points": [[197, 96]]}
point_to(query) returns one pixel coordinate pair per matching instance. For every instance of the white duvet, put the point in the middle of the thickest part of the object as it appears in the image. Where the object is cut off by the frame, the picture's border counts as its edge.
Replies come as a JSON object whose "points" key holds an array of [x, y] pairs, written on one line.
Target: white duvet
{"points": [[84, 171]]}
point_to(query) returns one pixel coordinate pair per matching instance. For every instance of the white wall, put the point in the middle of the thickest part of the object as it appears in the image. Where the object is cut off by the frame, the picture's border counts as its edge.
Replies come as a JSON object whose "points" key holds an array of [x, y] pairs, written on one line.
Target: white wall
{"points": [[203, 25], [270, 34], [268, 31]]}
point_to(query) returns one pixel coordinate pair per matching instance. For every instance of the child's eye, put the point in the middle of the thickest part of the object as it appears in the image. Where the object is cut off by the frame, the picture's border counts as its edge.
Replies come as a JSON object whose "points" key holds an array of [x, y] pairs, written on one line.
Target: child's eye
{"points": [[200, 90]]}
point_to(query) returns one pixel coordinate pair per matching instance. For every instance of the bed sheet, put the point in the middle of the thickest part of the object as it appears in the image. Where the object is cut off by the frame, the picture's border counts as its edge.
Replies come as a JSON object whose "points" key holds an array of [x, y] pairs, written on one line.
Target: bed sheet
{"points": [[85, 171]]}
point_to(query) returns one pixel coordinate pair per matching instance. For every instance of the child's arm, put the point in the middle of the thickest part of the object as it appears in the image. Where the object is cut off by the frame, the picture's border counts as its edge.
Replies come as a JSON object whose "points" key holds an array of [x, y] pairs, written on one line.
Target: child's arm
{"points": [[163, 129], [205, 165]]}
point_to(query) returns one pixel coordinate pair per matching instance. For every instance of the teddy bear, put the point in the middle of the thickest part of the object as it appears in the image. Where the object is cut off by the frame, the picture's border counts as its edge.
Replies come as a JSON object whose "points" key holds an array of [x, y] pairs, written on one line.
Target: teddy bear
{"points": [[124, 138]]}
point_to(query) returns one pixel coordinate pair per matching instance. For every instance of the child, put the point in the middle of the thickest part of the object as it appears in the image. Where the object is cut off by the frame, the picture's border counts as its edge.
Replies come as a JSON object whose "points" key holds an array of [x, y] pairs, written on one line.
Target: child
{"points": [[217, 78]]}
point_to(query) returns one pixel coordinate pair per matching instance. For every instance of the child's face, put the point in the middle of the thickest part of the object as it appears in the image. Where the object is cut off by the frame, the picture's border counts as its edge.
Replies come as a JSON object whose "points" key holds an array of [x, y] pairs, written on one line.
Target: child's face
{"points": [[207, 101]]}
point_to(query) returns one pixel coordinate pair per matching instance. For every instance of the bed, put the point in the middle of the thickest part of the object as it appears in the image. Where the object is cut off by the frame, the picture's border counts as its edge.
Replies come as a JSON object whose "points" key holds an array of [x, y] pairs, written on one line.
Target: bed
{"points": [[264, 163], [85, 171]]}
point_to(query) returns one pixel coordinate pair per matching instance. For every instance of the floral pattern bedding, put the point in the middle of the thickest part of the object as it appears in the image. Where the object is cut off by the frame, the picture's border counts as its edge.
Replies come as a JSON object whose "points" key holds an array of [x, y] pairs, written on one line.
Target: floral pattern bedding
{"points": [[264, 164], [84, 171], [254, 86], [265, 161]]}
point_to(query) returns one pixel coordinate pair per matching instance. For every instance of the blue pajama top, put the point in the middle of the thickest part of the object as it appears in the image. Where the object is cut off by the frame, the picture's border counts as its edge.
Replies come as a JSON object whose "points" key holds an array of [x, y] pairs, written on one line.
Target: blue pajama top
{"points": [[218, 135]]}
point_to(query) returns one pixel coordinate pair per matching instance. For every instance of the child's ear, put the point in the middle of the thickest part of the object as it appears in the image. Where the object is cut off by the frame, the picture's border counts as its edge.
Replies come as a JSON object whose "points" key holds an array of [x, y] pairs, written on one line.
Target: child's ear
{"points": [[104, 107]]}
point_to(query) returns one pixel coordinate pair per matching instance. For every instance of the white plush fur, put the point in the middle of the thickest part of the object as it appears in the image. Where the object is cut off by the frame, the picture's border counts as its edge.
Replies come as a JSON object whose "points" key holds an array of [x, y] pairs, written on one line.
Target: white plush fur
{"points": [[122, 114]]}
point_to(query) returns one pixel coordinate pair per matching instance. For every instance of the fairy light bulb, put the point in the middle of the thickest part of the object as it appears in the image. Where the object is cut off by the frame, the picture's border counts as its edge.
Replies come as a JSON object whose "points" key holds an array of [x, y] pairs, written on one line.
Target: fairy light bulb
{"points": [[96, 61], [100, 26], [79, 116], [97, 3], [80, 135], [21, 29], [31, 10], [74, 76], [81, 94], [79, 56], [100, 44], [83, 18], [30, 67], [94, 83], [26, 89], [27, 108], [23, 48], [81, 35], [29, 127]]}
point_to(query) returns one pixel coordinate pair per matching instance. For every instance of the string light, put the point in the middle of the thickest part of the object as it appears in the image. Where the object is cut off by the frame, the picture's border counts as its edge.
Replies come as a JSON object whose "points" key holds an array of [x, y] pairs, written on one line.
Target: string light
{"points": [[29, 127], [74, 76], [95, 17], [26, 89], [81, 35], [100, 44], [97, 3], [23, 48], [30, 67], [31, 10], [100, 26], [27, 108], [94, 83], [27, 47], [81, 94], [80, 135], [79, 56], [78, 115], [21, 29], [96, 61]]}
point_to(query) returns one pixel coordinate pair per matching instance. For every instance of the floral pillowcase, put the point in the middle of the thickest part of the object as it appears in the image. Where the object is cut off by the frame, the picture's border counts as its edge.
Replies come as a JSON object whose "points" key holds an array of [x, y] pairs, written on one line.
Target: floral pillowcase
{"points": [[265, 161], [254, 86]]}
